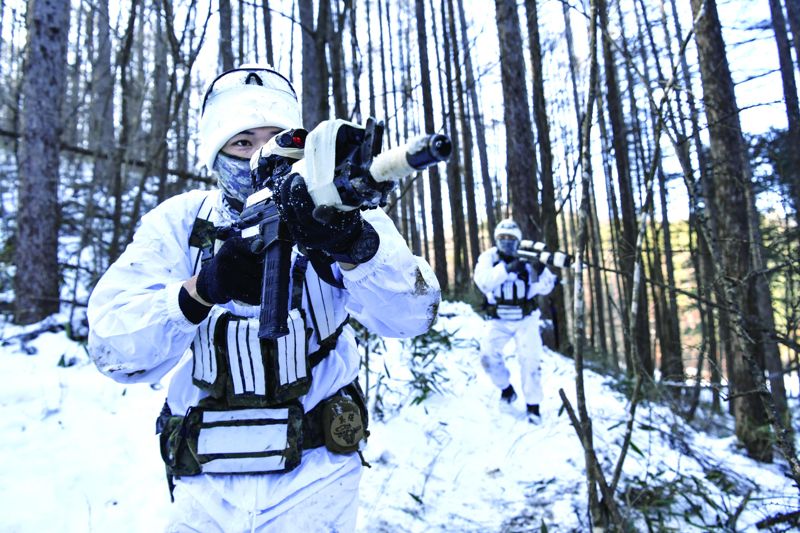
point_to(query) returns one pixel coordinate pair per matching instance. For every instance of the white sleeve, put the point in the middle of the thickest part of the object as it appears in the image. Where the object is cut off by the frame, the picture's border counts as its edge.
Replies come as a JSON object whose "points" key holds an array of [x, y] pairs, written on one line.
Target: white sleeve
{"points": [[544, 285], [489, 276], [394, 294], [137, 330]]}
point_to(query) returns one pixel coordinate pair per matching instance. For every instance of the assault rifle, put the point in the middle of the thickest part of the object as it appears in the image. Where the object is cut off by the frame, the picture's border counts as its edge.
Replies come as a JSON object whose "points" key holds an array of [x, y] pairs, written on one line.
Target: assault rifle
{"points": [[344, 170], [537, 251]]}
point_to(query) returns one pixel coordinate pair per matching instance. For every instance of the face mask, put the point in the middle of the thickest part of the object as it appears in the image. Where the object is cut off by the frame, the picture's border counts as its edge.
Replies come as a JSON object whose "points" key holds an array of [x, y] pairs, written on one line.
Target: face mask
{"points": [[507, 246], [233, 176]]}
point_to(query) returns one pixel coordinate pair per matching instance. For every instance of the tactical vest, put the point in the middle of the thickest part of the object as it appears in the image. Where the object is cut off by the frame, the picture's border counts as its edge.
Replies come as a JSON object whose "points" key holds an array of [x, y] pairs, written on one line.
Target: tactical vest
{"points": [[252, 421], [510, 300]]}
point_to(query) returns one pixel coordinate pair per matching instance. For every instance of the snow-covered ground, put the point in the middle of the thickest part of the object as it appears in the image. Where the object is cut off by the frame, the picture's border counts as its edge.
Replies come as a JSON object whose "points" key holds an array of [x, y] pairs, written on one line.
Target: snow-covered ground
{"points": [[79, 451]]}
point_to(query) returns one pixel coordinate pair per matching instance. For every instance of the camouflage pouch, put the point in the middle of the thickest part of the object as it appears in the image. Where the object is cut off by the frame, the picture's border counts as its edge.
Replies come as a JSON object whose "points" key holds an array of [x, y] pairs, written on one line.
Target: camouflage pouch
{"points": [[244, 441], [343, 425]]}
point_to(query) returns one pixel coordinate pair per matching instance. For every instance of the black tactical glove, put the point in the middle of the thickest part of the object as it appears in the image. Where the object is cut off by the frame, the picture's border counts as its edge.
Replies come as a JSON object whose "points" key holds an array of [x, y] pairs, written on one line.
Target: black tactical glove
{"points": [[234, 273], [516, 266], [344, 235]]}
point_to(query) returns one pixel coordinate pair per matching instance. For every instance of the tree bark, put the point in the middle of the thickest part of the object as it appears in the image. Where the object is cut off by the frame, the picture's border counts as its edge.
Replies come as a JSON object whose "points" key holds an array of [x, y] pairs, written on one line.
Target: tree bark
{"points": [[267, 16], [549, 228], [335, 30], [455, 189], [225, 35], [521, 165], [316, 107], [440, 257], [38, 217], [480, 130], [467, 142], [732, 198], [790, 99]]}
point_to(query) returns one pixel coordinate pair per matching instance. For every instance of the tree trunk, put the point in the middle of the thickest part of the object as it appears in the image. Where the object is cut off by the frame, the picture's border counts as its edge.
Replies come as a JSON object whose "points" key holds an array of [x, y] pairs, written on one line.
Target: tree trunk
{"points": [[732, 198], [338, 72], [356, 64], [315, 64], [461, 269], [440, 263], [38, 216], [480, 130], [549, 228], [225, 35], [521, 167], [467, 142], [267, 16], [370, 69], [793, 12], [123, 61], [790, 98]]}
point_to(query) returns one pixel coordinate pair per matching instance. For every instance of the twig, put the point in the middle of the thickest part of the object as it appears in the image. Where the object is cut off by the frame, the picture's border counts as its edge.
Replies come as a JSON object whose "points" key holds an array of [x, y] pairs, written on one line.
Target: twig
{"points": [[793, 517], [608, 495]]}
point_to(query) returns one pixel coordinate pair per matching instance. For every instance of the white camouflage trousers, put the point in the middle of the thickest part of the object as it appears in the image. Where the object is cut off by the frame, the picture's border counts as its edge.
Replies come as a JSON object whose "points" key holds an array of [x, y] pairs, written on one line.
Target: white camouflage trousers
{"points": [[528, 346], [330, 509]]}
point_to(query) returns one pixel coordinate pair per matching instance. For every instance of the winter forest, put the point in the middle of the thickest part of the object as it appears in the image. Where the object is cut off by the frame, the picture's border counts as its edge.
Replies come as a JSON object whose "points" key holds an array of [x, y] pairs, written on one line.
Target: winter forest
{"points": [[656, 142]]}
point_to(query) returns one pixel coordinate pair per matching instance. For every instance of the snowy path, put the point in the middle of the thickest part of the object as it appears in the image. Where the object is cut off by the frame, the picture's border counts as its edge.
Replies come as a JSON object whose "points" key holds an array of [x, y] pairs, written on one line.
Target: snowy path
{"points": [[79, 452]]}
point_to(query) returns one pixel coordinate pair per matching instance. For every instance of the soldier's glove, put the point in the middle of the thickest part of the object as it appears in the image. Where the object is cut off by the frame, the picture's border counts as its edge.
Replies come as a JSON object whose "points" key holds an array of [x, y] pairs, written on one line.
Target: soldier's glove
{"points": [[516, 266], [343, 235], [234, 273]]}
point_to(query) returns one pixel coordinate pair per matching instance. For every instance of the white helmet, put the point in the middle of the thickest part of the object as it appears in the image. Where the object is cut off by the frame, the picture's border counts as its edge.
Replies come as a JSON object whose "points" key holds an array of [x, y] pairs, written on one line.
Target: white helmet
{"points": [[251, 96], [507, 237], [507, 227]]}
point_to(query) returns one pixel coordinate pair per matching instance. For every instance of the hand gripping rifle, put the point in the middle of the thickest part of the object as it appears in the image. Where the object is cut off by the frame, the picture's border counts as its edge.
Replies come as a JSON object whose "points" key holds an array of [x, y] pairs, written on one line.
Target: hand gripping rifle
{"points": [[344, 170], [537, 251]]}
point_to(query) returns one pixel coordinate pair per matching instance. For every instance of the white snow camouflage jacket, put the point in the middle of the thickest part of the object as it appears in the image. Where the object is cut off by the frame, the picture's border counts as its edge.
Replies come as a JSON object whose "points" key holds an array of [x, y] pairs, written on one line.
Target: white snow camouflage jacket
{"points": [[138, 332]]}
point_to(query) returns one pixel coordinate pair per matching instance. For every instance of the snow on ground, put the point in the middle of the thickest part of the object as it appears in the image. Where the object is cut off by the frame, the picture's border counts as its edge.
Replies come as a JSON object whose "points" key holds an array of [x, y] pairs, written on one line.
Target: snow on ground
{"points": [[79, 450]]}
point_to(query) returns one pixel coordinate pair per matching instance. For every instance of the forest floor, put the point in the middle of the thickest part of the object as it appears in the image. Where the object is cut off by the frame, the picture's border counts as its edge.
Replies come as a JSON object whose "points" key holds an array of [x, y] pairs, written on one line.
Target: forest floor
{"points": [[80, 452]]}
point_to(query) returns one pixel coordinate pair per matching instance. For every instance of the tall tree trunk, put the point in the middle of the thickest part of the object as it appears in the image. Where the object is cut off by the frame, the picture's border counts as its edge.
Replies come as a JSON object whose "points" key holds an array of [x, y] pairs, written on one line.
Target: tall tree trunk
{"points": [[123, 61], [480, 130], [338, 72], [790, 99], [225, 35], [732, 198], [370, 69], [38, 216], [549, 228], [242, 31], [440, 263], [521, 167], [793, 12], [466, 138], [267, 17], [101, 121], [315, 64], [454, 187], [670, 338], [627, 241], [356, 65], [582, 239]]}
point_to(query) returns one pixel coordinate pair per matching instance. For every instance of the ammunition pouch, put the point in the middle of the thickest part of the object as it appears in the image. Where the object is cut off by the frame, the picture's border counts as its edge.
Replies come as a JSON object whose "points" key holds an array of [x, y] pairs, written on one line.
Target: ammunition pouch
{"points": [[511, 311], [215, 439]]}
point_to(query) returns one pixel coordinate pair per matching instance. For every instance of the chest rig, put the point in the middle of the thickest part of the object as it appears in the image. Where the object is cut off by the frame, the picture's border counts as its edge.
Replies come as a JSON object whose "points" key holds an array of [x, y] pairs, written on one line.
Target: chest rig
{"points": [[510, 300], [252, 420], [237, 368]]}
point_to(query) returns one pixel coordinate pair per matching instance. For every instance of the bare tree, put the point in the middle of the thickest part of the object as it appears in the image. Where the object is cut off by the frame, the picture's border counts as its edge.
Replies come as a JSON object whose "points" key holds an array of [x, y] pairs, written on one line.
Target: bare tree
{"points": [[316, 107], [733, 196], [790, 99], [521, 168], [225, 35], [437, 219], [38, 215]]}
